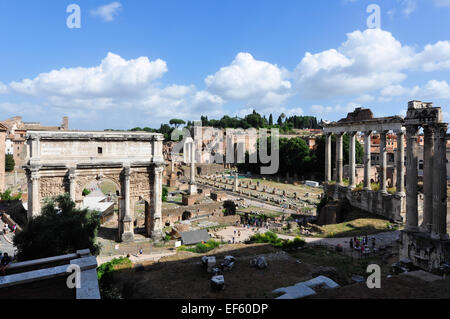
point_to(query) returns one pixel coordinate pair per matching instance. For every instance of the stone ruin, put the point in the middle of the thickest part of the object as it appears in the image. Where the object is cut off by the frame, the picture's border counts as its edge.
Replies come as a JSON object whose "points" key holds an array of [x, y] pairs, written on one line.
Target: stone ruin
{"points": [[427, 245]]}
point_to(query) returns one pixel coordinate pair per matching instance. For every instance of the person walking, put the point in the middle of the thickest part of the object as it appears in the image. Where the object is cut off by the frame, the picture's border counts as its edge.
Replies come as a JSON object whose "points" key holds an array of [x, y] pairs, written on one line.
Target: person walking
{"points": [[4, 263]]}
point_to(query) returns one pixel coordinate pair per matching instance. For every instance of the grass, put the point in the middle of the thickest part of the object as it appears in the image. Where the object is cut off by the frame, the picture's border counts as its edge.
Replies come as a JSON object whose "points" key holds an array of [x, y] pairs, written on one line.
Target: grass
{"points": [[274, 240], [201, 248], [357, 227], [116, 264]]}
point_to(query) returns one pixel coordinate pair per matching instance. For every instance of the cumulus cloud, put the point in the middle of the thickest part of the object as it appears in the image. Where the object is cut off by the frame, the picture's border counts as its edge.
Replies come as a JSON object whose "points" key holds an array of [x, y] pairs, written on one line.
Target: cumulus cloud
{"points": [[338, 108], [367, 61], [108, 12], [433, 89], [114, 76], [250, 79], [434, 57], [3, 88], [118, 86]]}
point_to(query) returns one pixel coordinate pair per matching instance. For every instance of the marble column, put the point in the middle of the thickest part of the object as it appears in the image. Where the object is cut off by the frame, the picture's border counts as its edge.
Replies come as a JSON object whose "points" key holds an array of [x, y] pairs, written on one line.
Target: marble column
{"points": [[236, 183], [428, 154], [352, 159], [339, 158], [328, 157], [128, 231], [35, 183], [30, 197], [157, 225], [401, 163], [439, 222], [367, 162], [72, 184], [383, 164], [192, 184], [412, 215]]}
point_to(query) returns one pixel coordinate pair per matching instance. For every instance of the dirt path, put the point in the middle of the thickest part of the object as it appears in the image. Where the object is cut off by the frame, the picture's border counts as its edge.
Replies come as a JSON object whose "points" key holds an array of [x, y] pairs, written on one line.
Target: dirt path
{"points": [[227, 234]]}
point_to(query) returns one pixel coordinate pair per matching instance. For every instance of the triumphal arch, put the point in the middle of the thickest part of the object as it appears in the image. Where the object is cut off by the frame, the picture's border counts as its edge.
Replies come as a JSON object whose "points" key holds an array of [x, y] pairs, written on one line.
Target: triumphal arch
{"points": [[65, 162]]}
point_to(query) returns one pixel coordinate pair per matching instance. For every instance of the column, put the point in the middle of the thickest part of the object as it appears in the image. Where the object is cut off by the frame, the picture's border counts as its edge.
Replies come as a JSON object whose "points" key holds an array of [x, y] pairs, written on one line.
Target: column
{"points": [[383, 165], [128, 231], [367, 145], [339, 158], [236, 183], [328, 157], [439, 222], [401, 163], [428, 153], [30, 197], [192, 185], [156, 232], [72, 184], [35, 205], [412, 215], [352, 159]]}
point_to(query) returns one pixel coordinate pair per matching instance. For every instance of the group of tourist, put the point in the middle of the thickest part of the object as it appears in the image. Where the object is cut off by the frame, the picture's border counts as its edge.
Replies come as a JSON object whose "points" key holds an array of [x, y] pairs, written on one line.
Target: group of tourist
{"points": [[6, 228], [362, 243]]}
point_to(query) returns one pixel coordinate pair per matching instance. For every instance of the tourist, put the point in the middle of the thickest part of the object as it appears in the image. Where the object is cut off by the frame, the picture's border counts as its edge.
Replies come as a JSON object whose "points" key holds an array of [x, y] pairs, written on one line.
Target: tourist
{"points": [[373, 243], [4, 263], [351, 243], [233, 239]]}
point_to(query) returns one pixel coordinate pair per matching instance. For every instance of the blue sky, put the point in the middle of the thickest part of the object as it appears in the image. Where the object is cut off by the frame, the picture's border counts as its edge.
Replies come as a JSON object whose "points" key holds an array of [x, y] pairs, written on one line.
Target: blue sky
{"points": [[140, 63]]}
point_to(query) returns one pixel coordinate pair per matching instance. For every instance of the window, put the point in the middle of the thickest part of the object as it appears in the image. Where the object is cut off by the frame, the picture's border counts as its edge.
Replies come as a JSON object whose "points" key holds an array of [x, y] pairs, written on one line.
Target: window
{"points": [[100, 150]]}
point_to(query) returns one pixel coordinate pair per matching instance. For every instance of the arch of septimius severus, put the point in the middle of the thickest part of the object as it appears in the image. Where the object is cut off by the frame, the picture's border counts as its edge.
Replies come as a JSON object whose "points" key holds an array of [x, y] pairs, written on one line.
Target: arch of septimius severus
{"points": [[64, 162], [427, 245]]}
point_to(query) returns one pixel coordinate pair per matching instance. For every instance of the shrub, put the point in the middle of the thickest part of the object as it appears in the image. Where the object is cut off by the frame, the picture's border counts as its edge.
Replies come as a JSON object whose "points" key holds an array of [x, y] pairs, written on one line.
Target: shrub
{"points": [[165, 192], [9, 162], [86, 192]]}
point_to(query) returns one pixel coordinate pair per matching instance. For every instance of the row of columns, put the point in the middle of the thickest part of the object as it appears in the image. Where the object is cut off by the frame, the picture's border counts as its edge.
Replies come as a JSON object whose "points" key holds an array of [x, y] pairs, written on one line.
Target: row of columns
{"points": [[434, 180], [367, 160]]}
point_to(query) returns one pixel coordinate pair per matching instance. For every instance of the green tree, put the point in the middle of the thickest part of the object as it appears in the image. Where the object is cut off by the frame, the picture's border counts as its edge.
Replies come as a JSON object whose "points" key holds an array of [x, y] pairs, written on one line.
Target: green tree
{"points": [[60, 229], [9, 162], [176, 122], [165, 192], [270, 119], [230, 207]]}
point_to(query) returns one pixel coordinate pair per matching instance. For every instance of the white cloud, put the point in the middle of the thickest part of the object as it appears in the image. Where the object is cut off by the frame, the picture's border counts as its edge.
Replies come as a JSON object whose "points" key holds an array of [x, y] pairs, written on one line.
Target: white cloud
{"points": [[433, 89], [367, 61], [327, 110], [442, 3], [118, 86], [250, 79], [3, 88], [108, 12], [115, 76], [434, 57], [409, 6]]}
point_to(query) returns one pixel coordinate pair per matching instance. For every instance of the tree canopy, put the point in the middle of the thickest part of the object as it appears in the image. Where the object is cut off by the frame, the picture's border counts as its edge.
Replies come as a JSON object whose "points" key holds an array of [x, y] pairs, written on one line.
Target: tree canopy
{"points": [[60, 229]]}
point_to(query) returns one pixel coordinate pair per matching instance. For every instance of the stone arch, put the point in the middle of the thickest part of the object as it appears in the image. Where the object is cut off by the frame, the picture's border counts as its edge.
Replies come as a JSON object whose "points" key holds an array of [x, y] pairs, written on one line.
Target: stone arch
{"points": [[187, 215]]}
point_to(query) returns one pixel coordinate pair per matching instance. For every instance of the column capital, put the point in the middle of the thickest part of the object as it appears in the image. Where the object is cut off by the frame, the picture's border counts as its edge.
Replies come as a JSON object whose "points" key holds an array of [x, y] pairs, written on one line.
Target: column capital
{"points": [[127, 171], [440, 130], [367, 132], [412, 130]]}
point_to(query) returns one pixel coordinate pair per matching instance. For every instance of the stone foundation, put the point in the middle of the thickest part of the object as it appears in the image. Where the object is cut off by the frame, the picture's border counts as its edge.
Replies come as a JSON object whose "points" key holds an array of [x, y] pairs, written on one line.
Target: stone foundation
{"points": [[392, 207], [424, 251]]}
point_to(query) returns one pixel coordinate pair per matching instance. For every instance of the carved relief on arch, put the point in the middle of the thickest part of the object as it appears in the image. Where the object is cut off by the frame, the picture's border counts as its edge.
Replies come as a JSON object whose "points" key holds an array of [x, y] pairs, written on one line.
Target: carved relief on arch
{"points": [[141, 184], [52, 186]]}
